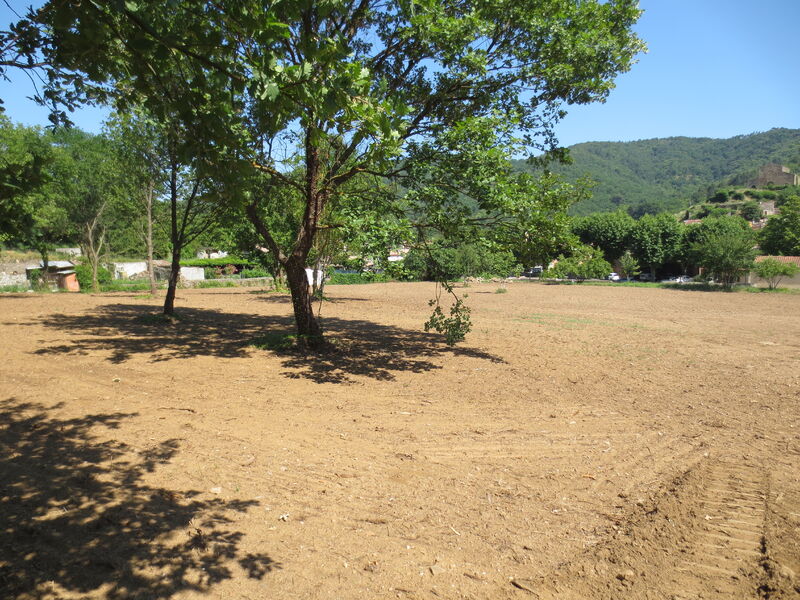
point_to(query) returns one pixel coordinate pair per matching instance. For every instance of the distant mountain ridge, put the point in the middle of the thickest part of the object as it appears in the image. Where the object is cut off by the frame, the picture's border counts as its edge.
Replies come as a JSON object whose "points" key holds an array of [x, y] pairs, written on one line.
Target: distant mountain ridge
{"points": [[671, 173]]}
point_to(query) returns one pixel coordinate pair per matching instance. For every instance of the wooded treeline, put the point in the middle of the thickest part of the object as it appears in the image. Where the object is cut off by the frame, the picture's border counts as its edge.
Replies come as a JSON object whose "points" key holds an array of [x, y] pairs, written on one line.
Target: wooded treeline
{"points": [[670, 174]]}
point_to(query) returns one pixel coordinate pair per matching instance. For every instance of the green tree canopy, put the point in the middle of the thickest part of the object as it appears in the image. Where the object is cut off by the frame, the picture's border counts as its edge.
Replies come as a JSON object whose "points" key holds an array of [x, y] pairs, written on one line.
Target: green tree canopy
{"points": [[25, 155], [726, 255], [608, 231], [781, 234], [655, 240]]}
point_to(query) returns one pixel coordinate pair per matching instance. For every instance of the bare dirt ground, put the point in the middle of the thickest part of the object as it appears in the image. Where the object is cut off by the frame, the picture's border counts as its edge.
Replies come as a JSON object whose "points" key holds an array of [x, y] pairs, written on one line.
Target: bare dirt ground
{"points": [[584, 442]]}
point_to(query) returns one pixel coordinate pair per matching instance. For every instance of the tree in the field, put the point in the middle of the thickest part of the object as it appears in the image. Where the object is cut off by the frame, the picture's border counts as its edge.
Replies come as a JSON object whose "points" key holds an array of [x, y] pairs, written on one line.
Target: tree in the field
{"points": [[25, 155], [724, 247], [655, 240], [167, 180], [585, 262], [194, 207], [750, 211], [87, 180], [781, 234], [608, 231], [773, 271], [726, 255], [319, 95], [629, 265], [138, 142], [541, 228]]}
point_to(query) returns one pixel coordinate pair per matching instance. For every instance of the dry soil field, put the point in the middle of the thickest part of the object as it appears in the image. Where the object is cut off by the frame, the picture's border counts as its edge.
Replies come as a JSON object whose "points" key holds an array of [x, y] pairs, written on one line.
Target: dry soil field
{"points": [[584, 442]]}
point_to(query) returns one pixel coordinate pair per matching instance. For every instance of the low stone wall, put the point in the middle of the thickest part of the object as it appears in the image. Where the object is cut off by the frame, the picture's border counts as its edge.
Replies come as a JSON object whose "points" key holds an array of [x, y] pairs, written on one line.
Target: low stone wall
{"points": [[7, 279]]}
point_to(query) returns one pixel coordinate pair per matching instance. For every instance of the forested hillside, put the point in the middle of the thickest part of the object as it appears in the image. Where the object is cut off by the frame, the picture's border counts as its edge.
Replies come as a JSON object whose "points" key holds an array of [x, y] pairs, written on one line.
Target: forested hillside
{"points": [[671, 173]]}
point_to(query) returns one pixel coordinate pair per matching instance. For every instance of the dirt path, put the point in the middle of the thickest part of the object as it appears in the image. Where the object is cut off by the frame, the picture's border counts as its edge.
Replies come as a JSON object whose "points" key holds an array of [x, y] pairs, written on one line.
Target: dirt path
{"points": [[585, 442]]}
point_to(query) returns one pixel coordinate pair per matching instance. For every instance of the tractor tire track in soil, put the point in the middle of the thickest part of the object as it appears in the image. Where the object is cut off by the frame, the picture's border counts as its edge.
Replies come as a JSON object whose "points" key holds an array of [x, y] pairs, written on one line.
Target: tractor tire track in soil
{"points": [[703, 538], [728, 544]]}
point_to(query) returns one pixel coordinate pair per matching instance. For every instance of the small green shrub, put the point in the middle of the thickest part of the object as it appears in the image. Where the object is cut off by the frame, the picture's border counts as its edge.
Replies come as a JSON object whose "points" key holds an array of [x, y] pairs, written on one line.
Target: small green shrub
{"points": [[214, 284], [357, 278], [123, 286], [84, 275], [773, 271], [13, 289], [218, 262], [277, 342], [253, 273]]}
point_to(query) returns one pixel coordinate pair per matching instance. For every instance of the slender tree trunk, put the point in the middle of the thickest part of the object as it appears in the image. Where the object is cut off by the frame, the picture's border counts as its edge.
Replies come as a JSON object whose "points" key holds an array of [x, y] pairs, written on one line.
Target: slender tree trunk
{"points": [[95, 283], [174, 277], [94, 238], [177, 243], [151, 276]]}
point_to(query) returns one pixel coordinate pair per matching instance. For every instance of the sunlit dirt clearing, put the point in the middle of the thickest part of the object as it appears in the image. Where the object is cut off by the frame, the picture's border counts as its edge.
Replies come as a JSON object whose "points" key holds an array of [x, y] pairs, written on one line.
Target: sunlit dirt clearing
{"points": [[584, 442]]}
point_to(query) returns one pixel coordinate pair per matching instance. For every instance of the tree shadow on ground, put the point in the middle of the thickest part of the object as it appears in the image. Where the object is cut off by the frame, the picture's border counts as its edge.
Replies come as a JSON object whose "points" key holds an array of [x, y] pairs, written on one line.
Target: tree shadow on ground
{"points": [[361, 347], [77, 518]]}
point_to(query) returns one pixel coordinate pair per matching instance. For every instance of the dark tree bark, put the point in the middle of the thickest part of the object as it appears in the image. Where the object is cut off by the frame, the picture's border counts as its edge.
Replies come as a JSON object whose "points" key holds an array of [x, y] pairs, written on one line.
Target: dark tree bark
{"points": [[176, 239]]}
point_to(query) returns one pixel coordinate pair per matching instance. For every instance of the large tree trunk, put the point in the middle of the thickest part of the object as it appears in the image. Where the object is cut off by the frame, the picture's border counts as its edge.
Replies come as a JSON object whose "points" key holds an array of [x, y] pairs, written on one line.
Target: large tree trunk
{"points": [[308, 329]]}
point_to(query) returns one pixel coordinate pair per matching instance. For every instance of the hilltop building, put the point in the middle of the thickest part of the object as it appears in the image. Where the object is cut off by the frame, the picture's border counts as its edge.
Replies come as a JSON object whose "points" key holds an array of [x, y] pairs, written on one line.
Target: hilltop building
{"points": [[775, 174]]}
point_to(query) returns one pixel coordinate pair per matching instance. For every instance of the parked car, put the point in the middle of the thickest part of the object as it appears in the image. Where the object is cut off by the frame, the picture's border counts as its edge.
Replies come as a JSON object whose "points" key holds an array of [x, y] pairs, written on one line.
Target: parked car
{"points": [[532, 272], [677, 279], [646, 277], [613, 277]]}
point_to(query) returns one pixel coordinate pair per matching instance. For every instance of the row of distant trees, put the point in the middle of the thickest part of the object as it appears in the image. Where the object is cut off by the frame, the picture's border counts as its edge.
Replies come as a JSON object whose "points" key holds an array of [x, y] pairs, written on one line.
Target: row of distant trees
{"points": [[724, 245], [125, 192]]}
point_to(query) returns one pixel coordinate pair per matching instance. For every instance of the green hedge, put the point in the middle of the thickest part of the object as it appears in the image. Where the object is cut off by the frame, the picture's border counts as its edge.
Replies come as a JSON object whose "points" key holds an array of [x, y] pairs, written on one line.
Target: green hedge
{"points": [[356, 278], [218, 262], [253, 273]]}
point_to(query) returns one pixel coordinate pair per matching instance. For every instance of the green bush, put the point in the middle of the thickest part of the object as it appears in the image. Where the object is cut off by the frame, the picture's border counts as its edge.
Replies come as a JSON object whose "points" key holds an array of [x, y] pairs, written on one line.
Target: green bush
{"points": [[253, 273], [120, 285], [214, 284], [357, 278], [772, 271], [480, 259], [218, 262], [84, 275], [585, 263]]}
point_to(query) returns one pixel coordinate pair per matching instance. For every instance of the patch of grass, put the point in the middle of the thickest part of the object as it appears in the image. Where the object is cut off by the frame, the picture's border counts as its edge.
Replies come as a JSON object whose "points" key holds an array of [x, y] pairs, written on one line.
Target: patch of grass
{"points": [[293, 342], [778, 290], [122, 286], [555, 321], [276, 342], [214, 283], [501, 290], [358, 278], [13, 289]]}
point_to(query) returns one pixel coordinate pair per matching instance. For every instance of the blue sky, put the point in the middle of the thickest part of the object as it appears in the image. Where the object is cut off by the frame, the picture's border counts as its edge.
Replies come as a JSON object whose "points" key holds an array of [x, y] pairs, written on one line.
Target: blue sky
{"points": [[714, 68]]}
